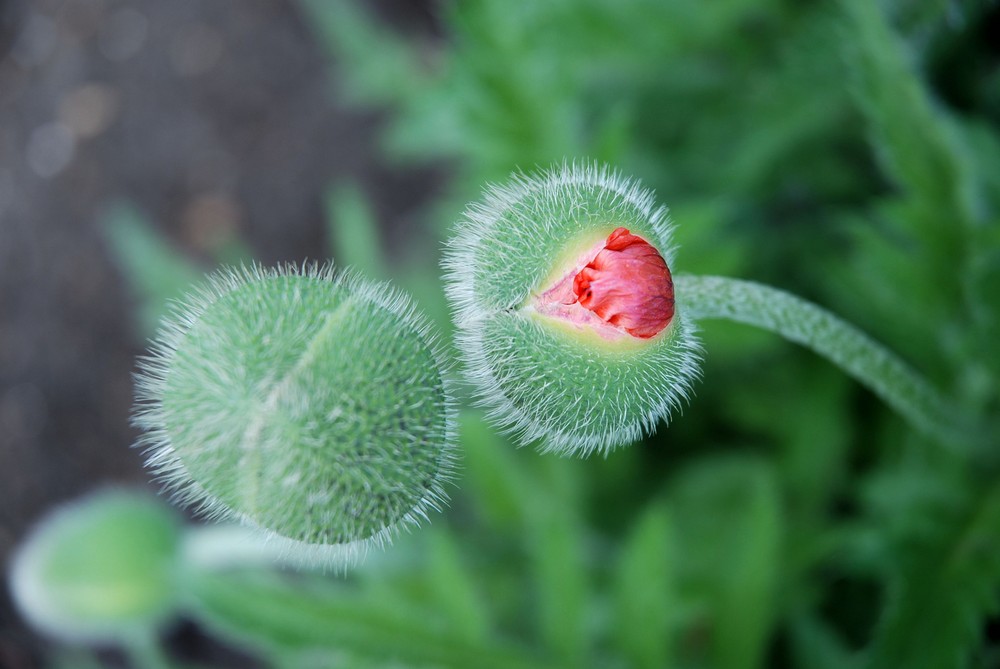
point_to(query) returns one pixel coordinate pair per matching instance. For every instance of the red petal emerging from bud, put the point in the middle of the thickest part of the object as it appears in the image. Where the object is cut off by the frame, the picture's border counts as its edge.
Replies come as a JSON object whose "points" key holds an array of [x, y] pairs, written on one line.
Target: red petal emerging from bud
{"points": [[628, 285]]}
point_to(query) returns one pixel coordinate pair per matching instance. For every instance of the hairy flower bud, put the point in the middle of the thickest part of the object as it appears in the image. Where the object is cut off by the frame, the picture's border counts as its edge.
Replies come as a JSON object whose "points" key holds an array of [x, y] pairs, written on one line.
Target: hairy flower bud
{"points": [[564, 305], [310, 405]]}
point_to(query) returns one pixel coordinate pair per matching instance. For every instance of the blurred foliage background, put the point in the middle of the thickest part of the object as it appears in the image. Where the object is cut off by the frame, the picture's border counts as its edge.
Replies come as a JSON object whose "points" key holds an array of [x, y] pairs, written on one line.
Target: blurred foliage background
{"points": [[845, 151]]}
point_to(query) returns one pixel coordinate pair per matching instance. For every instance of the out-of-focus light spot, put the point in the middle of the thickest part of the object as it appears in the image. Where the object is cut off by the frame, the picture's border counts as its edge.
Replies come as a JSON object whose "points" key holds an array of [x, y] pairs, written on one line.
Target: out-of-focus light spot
{"points": [[36, 42], [195, 50], [83, 18], [123, 34], [6, 190], [212, 170], [23, 408], [89, 109], [50, 149], [211, 219]]}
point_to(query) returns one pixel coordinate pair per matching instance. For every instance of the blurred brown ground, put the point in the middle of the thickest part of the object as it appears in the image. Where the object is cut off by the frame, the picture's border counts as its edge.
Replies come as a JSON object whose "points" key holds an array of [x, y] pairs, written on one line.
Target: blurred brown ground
{"points": [[209, 116]]}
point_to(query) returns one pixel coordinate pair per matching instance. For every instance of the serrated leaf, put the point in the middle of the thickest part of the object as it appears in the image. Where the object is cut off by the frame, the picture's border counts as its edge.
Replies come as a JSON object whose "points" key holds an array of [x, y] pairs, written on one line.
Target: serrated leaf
{"points": [[948, 584], [915, 143]]}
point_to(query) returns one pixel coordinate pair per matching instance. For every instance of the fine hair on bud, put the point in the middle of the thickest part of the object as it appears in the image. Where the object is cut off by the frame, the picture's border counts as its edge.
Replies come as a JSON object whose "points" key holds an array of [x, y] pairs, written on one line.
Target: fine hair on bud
{"points": [[563, 301], [307, 403]]}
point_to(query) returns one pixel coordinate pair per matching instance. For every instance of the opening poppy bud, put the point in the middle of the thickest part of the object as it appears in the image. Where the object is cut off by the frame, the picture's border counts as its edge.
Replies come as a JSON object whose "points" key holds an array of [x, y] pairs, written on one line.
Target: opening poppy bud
{"points": [[534, 272]]}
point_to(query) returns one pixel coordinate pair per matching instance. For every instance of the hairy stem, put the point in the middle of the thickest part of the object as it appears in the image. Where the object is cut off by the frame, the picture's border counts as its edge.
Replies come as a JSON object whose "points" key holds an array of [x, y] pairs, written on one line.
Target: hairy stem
{"points": [[795, 319]]}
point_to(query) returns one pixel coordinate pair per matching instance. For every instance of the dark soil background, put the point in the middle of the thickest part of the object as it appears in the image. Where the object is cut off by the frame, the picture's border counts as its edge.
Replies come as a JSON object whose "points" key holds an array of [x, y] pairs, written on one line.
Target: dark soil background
{"points": [[212, 117]]}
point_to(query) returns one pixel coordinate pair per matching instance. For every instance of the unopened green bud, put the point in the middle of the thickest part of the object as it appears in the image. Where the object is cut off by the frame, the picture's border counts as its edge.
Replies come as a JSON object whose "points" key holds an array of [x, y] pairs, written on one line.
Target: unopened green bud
{"points": [[311, 405], [99, 570]]}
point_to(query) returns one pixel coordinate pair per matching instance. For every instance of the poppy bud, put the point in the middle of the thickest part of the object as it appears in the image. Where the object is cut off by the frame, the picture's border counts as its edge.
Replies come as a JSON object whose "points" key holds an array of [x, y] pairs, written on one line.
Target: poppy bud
{"points": [[99, 570], [304, 403], [564, 305]]}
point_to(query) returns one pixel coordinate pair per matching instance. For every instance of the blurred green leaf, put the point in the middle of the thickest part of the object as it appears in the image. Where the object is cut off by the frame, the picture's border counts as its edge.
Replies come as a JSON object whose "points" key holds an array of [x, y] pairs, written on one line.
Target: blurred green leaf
{"points": [[353, 231], [380, 66], [914, 251], [157, 271], [646, 602], [558, 561], [454, 589], [816, 646], [949, 581], [915, 143], [730, 522], [277, 615], [502, 490]]}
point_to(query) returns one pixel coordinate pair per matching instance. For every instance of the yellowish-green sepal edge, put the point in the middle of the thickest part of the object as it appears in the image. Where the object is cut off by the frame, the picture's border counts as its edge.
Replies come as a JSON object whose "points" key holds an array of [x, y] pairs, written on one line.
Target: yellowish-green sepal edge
{"points": [[570, 393], [304, 402]]}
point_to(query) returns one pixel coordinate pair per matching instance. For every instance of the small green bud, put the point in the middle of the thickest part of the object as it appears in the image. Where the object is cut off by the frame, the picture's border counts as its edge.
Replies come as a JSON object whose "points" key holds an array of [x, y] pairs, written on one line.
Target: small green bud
{"points": [[311, 405], [99, 570], [564, 305]]}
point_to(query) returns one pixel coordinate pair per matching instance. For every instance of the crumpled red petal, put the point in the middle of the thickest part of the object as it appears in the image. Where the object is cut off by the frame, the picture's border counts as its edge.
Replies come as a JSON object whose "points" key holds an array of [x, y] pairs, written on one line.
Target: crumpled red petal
{"points": [[628, 285]]}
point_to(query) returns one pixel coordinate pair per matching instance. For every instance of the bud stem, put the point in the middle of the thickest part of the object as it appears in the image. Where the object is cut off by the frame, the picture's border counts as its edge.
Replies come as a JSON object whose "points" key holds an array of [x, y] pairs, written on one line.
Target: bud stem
{"points": [[795, 319]]}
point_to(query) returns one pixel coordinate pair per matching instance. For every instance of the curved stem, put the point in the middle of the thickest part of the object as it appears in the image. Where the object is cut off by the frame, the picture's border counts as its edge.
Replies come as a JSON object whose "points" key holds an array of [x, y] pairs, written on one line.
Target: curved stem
{"points": [[795, 319], [220, 547]]}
